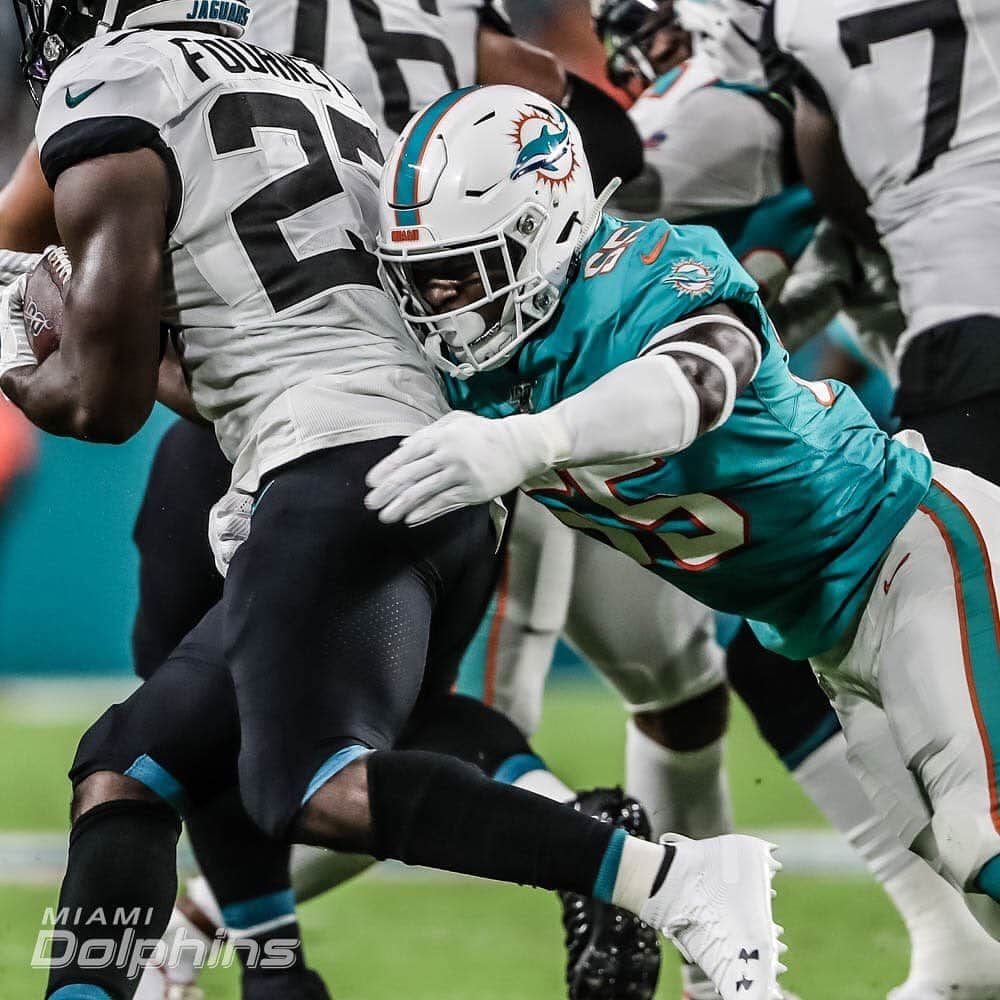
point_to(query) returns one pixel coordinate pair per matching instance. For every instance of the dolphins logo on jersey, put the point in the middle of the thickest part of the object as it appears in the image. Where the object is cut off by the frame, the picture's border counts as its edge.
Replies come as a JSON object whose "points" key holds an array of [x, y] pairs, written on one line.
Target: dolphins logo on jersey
{"points": [[690, 277], [544, 147]]}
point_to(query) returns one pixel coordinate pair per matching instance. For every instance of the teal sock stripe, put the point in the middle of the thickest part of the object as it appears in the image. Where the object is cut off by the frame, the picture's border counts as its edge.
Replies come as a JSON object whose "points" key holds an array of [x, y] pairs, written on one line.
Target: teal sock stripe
{"points": [[604, 887], [989, 879], [80, 991], [159, 780], [829, 727], [517, 766], [251, 913]]}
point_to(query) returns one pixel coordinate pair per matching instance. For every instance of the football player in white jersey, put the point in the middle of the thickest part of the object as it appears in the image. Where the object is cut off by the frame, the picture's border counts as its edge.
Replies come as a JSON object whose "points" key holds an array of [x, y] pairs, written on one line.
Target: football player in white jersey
{"points": [[899, 136], [228, 190], [395, 56]]}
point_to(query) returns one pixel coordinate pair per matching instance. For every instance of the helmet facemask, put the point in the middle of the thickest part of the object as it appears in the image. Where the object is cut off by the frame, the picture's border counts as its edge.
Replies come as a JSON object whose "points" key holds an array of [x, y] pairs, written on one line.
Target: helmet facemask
{"points": [[50, 31], [505, 263], [627, 28]]}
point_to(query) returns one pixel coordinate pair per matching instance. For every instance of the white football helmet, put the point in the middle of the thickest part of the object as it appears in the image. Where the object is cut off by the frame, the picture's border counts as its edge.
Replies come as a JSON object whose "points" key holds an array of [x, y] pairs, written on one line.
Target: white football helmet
{"points": [[495, 178]]}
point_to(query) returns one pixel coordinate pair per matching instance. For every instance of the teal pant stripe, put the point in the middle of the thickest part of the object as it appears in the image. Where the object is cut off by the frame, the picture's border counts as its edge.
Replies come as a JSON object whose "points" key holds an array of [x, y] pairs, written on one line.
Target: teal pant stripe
{"points": [[81, 991], [252, 913], [980, 623], [159, 780], [604, 887], [517, 766], [989, 879]]}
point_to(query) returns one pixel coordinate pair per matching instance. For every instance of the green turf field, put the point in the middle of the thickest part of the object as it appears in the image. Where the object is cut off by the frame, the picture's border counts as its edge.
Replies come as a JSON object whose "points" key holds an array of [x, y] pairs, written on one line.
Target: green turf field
{"points": [[459, 939]]}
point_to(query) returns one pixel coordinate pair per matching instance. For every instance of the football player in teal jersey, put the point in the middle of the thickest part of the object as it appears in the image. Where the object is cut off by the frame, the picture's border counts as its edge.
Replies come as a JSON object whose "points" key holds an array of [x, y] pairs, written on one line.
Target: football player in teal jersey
{"points": [[627, 374], [720, 151]]}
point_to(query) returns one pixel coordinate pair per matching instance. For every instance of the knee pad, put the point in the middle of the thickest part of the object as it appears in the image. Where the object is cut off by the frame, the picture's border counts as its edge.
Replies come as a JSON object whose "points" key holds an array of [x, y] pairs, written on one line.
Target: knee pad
{"points": [[692, 725]]}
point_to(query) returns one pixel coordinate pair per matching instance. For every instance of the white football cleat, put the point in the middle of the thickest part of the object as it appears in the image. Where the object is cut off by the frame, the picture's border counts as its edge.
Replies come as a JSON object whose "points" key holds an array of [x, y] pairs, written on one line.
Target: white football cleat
{"points": [[695, 985], [715, 905]]}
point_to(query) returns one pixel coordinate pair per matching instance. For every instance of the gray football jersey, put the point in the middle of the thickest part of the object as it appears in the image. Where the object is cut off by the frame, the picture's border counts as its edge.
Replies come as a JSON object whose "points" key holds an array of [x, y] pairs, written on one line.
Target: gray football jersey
{"points": [[289, 341], [395, 55], [915, 90]]}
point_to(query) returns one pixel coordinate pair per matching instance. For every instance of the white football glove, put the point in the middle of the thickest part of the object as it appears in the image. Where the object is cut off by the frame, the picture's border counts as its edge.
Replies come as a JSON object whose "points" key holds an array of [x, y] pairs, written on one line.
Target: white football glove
{"points": [[15, 348], [13, 264], [459, 461], [229, 526]]}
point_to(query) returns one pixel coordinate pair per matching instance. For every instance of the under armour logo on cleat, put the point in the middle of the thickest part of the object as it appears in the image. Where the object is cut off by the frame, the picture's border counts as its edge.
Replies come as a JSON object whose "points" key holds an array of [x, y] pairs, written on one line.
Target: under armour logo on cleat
{"points": [[744, 984], [746, 956]]}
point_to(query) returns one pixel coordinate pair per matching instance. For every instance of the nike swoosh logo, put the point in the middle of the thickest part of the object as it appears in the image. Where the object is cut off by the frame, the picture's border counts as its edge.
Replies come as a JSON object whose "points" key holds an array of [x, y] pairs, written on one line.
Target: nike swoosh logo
{"points": [[72, 102], [886, 584], [654, 254]]}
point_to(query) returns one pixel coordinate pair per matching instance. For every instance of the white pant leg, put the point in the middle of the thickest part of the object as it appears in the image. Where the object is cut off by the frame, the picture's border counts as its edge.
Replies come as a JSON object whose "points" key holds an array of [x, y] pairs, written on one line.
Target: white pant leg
{"points": [[928, 649], [528, 615], [654, 644]]}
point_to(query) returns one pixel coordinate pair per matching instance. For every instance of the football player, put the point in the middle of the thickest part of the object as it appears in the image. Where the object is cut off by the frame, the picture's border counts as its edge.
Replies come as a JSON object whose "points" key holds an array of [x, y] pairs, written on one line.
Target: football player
{"points": [[630, 377], [395, 57], [898, 131], [719, 151], [177, 154]]}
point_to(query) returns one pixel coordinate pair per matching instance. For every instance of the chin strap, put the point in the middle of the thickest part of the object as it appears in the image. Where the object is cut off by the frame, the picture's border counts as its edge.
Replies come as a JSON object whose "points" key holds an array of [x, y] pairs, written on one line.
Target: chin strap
{"points": [[592, 221]]}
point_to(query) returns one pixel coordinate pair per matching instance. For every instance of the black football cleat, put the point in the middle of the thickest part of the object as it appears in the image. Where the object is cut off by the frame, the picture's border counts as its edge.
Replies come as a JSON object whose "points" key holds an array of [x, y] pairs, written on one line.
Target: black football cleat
{"points": [[610, 954]]}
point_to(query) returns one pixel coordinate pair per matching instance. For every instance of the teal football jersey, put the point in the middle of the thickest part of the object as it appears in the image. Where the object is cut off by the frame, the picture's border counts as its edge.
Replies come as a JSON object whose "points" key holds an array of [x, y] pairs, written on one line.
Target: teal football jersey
{"points": [[783, 514]]}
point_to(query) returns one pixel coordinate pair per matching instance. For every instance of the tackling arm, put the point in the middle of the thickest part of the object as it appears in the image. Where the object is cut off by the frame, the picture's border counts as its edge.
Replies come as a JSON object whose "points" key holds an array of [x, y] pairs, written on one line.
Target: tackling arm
{"points": [[685, 384], [101, 383]]}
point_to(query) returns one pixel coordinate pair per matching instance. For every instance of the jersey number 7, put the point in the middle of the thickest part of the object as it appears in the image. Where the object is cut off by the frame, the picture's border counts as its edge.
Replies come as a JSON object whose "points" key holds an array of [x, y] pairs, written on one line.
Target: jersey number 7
{"points": [[944, 92], [289, 280]]}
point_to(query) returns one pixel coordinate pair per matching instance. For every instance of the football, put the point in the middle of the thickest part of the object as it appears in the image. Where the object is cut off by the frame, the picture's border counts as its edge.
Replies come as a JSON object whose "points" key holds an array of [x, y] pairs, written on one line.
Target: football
{"points": [[43, 301]]}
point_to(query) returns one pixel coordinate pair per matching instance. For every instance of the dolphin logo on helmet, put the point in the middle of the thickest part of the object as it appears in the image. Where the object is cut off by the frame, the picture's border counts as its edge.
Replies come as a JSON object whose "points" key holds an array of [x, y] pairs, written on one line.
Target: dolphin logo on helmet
{"points": [[544, 152]]}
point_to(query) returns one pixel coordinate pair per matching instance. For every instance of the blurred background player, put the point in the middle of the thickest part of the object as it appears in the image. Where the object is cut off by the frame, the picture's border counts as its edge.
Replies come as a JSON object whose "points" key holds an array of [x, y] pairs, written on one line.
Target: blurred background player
{"points": [[898, 135]]}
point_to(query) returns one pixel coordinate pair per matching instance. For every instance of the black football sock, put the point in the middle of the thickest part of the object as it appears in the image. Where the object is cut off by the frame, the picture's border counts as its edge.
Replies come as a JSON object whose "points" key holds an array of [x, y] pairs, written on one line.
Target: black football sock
{"points": [[432, 810], [116, 898], [249, 876]]}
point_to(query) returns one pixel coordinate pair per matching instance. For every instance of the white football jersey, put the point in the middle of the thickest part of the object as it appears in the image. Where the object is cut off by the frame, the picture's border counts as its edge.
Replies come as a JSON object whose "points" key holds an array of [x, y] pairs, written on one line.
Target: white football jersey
{"points": [[915, 90], [290, 343], [708, 148], [395, 55]]}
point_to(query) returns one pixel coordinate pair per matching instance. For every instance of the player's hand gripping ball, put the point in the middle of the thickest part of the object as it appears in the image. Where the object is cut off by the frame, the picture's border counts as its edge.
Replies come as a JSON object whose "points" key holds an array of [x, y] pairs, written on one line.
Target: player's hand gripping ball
{"points": [[44, 297]]}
